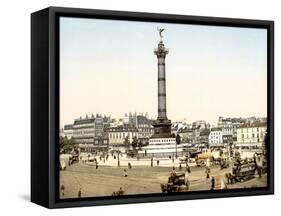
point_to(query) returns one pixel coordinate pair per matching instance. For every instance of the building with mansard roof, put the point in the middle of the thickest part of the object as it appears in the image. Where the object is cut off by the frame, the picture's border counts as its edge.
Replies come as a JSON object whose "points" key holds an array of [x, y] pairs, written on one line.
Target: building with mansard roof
{"points": [[251, 135]]}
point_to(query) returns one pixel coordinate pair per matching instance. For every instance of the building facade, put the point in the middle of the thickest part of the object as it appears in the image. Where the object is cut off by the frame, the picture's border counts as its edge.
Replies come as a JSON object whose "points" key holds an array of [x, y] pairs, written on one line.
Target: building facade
{"points": [[215, 137], [251, 134], [119, 135], [186, 135], [68, 131], [88, 133]]}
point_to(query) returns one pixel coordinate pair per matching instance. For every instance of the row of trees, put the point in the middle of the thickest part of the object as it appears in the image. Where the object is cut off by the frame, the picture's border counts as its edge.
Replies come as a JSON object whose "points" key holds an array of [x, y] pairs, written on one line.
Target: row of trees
{"points": [[66, 145], [138, 144]]}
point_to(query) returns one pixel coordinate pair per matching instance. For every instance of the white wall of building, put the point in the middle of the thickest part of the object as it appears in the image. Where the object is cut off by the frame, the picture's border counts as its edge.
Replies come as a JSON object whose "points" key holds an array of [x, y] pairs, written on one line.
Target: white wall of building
{"points": [[215, 137], [251, 134]]}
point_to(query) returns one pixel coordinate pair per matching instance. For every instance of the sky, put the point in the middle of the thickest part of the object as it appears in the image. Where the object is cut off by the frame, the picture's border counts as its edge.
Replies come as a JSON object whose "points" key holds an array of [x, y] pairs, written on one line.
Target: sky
{"points": [[108, 67]]}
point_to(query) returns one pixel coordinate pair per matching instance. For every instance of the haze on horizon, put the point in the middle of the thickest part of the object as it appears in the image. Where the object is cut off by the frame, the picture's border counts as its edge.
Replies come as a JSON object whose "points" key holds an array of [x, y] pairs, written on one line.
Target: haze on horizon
{"points": [[109, 67]]}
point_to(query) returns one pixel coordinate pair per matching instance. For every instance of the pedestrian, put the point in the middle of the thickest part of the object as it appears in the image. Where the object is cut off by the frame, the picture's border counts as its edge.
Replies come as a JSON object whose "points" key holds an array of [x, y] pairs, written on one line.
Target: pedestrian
{"points": [[173, 171], [120, 192], [125, 173], [223, 183], [259, 163], [79, 193], [213, 183], [62, 189], [207, 173], [97, 166], [188, 168], [187, 183], [227, 176], [129, 165], [158, 162]]}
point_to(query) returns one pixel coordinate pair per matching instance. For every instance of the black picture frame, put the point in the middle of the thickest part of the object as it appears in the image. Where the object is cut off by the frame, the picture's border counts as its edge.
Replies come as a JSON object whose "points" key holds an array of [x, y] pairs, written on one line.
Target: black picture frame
{"points": [[45, 105]]}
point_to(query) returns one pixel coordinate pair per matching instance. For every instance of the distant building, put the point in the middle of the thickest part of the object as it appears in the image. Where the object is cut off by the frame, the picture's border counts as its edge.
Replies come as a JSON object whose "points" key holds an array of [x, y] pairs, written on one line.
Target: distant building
{"points": [[88, 133], [180, 125], [61, 132], [229, 126], [186, 135], [68, 131], [204, 136], [229, 134], [198, 127], [84, 130], [142, 123], [227, 139], [117, 136], [251, 134], [144, 127], [215, 137]]}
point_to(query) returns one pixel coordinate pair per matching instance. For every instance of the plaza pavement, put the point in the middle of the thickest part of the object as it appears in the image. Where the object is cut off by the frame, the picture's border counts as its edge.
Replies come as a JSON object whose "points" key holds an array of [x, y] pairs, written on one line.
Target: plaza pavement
{"points": [[141, 179]]}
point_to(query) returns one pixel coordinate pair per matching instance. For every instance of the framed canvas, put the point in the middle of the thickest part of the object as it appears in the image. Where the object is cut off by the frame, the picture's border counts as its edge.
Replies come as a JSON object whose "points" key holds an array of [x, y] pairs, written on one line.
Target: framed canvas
{"points": [[132, 107]]}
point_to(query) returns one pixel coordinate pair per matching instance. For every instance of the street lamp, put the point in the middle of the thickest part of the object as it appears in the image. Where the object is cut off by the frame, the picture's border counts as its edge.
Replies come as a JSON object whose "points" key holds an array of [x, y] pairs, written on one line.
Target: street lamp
{"points": [[176, 150], [118, 152]]}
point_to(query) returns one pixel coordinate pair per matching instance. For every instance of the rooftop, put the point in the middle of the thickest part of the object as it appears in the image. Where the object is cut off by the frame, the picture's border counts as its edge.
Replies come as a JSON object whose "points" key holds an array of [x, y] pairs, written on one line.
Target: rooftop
{"points": [[257, 124]]}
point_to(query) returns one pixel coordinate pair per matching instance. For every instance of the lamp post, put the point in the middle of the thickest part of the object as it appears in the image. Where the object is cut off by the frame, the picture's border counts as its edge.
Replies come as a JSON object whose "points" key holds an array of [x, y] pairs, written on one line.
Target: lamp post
{"points": [[176, 150], [118, 163]]}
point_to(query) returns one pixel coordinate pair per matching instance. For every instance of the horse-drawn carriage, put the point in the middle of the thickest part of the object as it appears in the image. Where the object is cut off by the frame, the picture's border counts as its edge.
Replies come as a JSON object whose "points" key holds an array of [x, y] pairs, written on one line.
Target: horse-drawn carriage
{"points": [[176, 183], [243, 171]]}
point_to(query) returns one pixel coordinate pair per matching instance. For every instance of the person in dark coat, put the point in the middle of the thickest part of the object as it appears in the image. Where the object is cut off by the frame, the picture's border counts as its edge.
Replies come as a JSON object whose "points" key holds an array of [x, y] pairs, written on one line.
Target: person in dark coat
{"points": [[79, 193], [129, 165], [62, 189], [125, 173], [213, 183]]}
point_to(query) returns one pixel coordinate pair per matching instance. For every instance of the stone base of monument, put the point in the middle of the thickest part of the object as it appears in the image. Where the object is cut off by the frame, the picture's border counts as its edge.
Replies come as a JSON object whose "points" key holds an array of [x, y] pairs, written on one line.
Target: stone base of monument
{"points": [[162, 148], [162, 128]]}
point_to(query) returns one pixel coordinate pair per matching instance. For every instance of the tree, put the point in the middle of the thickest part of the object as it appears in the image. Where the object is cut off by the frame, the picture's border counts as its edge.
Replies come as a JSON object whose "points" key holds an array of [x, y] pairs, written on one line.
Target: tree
{"points": [[127, 142], [178, 139], [135, 142], [140, 144], [66, 145]]}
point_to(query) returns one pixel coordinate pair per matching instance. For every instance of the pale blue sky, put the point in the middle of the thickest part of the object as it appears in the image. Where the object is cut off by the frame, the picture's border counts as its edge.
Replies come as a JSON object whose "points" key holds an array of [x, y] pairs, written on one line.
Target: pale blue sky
{"points": [[108, 67]]}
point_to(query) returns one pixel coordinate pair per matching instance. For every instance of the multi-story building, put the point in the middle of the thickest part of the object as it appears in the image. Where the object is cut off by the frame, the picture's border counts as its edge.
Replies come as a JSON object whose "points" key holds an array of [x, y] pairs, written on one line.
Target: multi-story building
{"points": [[227, 139], [84, 130], [68, 131], [88, 133], [215, 137], [179, 125], [118, 135], [142, 123], [144, 127], [204, 136], [186, 135], [251, 134], [229, 126]]}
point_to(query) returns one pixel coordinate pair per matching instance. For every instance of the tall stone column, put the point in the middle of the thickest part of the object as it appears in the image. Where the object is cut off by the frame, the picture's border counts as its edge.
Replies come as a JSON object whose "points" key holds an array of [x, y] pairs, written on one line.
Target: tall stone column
{"points": [[161, 53], [162, 125]]}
